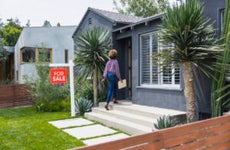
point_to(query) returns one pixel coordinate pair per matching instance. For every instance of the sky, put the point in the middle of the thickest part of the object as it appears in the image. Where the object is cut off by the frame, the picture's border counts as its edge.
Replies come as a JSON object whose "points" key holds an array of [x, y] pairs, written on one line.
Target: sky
{"points": [[65, 12]]}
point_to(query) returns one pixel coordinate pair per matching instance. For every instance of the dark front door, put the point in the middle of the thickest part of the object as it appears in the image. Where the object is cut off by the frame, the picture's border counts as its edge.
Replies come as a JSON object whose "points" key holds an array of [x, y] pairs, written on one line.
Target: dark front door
{"points": [[124, 47], [130, 67]]}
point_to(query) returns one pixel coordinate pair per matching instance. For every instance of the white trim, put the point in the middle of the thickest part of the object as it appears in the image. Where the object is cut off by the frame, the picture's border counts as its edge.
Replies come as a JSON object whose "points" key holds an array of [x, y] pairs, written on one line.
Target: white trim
{"points": [[160, 87], [151, 59], [160, 83]]}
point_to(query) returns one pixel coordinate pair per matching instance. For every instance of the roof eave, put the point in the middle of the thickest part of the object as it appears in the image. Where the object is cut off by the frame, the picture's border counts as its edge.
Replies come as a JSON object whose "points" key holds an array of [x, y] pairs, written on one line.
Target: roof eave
{"points": [[144, 21], [91, 9]]}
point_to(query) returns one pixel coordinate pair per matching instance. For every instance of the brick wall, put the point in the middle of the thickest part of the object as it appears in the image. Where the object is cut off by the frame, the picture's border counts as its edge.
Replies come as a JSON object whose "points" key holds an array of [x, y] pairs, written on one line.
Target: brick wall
{"points": [[14, 95]]}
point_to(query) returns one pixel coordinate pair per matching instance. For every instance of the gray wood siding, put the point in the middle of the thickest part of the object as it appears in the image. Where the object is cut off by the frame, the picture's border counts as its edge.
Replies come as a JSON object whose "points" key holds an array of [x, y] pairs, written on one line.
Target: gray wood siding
{"points": [[173, 99], [96, 20], [212, 10]]}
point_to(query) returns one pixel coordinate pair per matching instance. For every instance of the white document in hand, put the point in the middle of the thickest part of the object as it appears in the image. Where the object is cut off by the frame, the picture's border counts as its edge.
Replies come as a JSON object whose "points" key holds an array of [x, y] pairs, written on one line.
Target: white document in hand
{"points": [[122, 84]]}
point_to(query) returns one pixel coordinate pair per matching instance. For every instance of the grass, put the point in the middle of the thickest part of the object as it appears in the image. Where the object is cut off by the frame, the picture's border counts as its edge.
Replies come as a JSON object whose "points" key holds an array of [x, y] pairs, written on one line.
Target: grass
{"points": [[27, 129]]}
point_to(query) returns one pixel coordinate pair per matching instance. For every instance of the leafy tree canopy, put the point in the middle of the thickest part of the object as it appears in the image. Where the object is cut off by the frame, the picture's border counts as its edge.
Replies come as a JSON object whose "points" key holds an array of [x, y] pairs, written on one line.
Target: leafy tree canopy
{"points": [[1, 23], [28, 23], [141, 8], [47, 24], [10, 32], [58, 24]]}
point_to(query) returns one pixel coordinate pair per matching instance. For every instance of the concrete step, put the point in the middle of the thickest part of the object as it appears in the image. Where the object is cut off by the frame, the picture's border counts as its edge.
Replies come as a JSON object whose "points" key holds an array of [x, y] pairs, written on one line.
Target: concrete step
{"points": [[146, 121], [120, 102], [124, 125], [131, 118], [152, 112]]}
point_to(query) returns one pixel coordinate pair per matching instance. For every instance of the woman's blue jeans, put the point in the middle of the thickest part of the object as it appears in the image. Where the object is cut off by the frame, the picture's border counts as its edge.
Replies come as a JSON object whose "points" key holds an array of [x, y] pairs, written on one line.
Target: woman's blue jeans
{"points": [[112, 86]]}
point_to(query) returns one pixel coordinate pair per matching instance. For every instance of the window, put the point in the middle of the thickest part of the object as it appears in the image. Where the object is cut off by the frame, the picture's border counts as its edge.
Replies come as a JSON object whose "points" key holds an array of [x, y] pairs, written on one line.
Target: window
{"points": [[31, 54], [90, 21], [66, 56], [155, 75], [27, 54], [221, 19]]}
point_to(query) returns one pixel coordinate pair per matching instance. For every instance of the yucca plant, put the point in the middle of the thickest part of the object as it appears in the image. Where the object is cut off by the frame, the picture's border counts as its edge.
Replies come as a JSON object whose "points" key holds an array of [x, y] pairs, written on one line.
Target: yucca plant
{"points": [[83, 105], [220, 92], [193, 38], [91, 55], [165, 122]]}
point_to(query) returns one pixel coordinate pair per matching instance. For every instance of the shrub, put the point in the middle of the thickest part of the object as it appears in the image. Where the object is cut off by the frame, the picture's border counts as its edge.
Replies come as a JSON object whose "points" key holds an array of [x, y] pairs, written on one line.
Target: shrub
{"points": [[102, 92], [87, 91], [47, 97], [164, 122], [83, 105], [102, 96], [83, 88], [52, 106]]}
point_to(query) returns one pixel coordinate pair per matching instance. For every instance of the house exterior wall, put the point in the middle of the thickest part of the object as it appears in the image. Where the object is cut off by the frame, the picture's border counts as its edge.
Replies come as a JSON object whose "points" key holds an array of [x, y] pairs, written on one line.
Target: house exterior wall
{"points": [[123, 58], [100, 21], [96, 21], [168, 98], [153, 96], [212, 9], [165, 98], [57, 38]]}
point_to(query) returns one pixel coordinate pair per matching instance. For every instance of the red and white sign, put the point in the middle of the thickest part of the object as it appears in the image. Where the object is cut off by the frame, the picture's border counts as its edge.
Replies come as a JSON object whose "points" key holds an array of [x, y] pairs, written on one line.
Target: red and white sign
{"points": [[58, 75]]}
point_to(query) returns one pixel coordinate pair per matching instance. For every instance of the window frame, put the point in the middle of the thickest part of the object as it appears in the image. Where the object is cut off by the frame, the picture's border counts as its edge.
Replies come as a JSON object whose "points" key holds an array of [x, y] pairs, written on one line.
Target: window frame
{"points": [[36, 53], [221, 11], [66, 56], [159, 84]]}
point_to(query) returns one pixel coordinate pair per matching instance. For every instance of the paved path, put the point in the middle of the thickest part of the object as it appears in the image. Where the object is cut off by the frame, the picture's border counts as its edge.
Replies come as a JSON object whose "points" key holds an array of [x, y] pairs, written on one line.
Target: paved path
{"points": [[87, 131]]}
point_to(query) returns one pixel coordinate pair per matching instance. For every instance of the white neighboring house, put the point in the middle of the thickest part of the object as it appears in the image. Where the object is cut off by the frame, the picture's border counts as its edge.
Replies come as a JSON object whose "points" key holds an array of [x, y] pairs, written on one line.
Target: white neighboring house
{"points": [[56, 42]]}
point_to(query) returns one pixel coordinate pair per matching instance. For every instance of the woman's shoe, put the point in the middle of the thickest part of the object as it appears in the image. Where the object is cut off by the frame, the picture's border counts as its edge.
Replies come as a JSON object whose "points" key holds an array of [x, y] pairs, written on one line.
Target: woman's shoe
{"points": [[115, 101], [107, 106]]}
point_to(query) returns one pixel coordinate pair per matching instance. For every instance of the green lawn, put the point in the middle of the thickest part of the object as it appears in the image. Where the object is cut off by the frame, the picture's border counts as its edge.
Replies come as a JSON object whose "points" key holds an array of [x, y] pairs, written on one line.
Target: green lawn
{"points": [[26, 129]]}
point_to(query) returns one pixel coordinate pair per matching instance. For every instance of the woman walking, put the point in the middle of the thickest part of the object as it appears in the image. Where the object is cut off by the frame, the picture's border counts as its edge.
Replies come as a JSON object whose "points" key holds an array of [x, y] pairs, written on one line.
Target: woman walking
{"points": [[112, 72]]}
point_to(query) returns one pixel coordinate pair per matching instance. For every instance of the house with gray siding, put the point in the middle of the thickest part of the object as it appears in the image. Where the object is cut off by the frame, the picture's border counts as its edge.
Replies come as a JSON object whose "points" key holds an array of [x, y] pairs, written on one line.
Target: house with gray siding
{"points": [[136, 39], [106, 19], [55, 43]]}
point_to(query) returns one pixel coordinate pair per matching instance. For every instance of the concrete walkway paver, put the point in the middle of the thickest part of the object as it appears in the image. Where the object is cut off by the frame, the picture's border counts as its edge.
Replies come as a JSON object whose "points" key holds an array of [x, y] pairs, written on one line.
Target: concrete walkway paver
{"points": [[105, 139], [70, 122], [82, 128], [89, 131]]}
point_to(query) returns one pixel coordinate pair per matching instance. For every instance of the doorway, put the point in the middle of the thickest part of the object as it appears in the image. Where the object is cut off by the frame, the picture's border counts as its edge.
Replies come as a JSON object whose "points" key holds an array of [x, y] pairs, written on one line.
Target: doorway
{"points": [[124, 47]]}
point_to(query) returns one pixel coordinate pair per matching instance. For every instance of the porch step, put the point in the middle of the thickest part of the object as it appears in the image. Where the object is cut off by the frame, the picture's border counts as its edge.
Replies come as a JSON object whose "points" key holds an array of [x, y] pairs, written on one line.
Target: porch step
{"points": [[125, 115], [121, 124], [131, 118]]}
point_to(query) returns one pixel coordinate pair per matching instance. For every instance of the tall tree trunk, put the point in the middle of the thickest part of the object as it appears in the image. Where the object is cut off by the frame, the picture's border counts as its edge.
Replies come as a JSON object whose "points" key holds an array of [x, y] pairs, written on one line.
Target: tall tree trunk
{"points": [[95, 91], [189, 91]]}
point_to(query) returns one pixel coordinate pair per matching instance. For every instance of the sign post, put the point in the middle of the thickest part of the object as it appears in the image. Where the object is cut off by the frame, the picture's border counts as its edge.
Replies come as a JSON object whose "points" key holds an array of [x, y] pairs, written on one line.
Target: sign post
{"points": [[58, 76]]}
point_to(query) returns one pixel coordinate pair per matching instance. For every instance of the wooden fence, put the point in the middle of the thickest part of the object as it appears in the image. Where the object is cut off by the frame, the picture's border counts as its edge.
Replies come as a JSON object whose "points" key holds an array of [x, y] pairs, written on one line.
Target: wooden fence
{"points": [[210, 134], [14, 95]]}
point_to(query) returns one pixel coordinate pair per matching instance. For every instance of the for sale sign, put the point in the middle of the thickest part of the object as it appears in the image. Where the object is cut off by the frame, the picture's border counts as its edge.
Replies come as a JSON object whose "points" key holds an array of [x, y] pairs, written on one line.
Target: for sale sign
{"points": [[58, 75]]}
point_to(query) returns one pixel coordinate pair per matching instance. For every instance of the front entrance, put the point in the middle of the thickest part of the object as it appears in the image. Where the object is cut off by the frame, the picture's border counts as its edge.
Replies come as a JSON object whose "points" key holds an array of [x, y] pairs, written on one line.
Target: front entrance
{"points": [[124, 47], [130, 67]]}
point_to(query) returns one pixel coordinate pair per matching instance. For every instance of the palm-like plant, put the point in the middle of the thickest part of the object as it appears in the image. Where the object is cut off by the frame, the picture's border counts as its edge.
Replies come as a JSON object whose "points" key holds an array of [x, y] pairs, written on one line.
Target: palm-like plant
{"points": [[165, 122], [91, 55], [193, 38], [219, 93]]}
